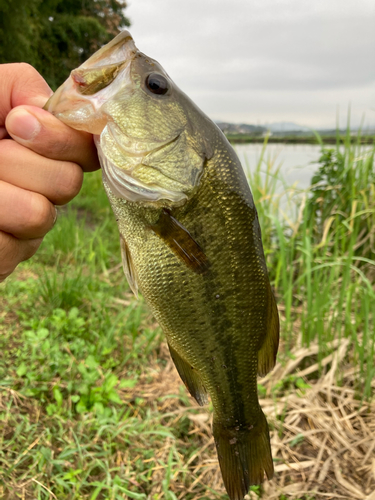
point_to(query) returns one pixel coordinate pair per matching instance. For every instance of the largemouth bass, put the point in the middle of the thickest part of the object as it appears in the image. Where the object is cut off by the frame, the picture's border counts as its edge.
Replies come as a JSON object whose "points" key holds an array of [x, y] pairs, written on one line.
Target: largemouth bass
{"points": [[190, 240]]}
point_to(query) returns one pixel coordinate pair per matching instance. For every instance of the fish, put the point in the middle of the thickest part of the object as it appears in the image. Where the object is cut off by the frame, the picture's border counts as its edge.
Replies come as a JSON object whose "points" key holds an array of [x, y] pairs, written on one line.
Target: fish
{"points": [[190, 240]]}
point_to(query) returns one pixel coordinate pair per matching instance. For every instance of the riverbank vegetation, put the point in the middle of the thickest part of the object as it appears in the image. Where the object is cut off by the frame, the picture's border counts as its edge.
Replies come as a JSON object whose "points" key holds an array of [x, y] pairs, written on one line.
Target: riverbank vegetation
{"points": [[330, 137], [91, 406]]}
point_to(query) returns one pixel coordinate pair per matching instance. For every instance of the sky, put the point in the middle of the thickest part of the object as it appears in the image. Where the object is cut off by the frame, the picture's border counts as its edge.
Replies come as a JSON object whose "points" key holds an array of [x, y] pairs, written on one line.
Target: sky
{"points": [[265, 61]]}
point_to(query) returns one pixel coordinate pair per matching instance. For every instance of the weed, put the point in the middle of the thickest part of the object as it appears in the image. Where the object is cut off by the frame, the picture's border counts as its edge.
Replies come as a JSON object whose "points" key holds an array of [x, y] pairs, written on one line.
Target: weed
{"points": [[91, 406]]}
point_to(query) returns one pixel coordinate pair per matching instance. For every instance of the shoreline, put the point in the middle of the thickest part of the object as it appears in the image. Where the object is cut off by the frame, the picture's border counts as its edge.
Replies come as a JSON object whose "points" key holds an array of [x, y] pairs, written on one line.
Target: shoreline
{"points": [[299, 140]]}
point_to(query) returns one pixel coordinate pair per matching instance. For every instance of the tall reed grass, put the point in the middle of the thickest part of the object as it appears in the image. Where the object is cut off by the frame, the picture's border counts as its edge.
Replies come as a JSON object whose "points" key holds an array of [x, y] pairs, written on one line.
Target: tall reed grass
{"points": [[320, 249]]}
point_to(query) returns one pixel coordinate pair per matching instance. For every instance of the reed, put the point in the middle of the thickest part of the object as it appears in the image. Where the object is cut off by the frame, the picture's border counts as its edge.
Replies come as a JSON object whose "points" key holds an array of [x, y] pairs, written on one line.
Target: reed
{"points": [[320, 249]]}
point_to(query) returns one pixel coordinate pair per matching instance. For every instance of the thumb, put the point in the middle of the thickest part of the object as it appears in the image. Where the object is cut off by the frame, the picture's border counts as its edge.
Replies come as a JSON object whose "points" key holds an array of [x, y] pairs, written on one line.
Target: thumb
{"points": [[44, 134]]}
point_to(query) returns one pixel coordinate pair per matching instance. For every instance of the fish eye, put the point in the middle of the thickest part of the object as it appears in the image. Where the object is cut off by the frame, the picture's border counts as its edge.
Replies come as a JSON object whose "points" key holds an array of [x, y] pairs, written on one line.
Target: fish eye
{"points": [[157, 84]]}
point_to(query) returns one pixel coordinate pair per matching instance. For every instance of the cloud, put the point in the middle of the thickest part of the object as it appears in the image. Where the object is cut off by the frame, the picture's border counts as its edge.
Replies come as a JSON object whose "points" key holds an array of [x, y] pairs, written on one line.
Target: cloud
{"points": [[230, 55]]}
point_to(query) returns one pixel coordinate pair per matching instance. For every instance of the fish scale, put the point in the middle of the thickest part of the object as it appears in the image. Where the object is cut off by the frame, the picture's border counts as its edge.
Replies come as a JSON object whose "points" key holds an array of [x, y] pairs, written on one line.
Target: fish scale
{"points": [[190, 241]]}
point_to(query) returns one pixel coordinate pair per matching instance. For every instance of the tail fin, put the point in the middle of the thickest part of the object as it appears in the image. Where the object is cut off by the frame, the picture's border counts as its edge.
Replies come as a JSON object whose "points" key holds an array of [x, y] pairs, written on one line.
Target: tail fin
{"points": [[244, 456]]}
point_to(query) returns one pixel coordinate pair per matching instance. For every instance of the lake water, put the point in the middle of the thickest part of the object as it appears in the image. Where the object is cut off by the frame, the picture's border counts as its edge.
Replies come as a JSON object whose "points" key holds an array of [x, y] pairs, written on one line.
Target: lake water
{"points": [[298, 161]]}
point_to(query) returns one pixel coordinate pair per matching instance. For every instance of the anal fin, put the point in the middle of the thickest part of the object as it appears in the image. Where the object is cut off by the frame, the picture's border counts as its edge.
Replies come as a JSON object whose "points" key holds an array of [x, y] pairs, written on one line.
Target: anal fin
{"points": [[267, 352], [190, 378], [128, 266]]}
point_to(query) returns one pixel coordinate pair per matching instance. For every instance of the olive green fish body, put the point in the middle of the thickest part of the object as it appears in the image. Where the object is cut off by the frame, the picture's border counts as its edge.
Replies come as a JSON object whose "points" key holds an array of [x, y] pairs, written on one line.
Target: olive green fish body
{"points": [[217, 320], [190, 240]]}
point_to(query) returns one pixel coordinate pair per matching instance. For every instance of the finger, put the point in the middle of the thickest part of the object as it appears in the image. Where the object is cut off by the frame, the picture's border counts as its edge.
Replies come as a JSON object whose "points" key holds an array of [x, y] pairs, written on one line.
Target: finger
{"points": [[3, 133], [20, 83], [59, 181], [43, 133], [14, 251], [24, 214]]}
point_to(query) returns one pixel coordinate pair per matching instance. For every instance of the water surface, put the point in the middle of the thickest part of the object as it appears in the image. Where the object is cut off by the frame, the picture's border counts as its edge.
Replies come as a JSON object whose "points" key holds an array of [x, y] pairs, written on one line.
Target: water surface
{"points": [[298, 161]]}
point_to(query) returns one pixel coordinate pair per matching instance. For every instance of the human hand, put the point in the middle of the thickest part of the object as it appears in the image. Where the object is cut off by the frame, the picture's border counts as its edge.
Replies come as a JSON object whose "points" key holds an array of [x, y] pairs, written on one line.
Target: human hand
{"points": [[41, 164]]}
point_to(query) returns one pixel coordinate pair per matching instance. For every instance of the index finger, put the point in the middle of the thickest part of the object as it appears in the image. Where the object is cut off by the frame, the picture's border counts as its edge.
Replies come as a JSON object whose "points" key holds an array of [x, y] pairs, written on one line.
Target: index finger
{"points": [[20, 83]]}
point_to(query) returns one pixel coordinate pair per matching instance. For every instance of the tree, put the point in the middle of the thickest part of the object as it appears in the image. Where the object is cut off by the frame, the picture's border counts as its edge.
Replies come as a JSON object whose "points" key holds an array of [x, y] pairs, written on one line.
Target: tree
{"points": [[56, 36]]}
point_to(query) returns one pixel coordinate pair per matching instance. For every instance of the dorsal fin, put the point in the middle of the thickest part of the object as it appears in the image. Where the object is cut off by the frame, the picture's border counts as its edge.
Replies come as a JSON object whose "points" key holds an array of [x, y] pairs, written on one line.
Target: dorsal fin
{"points": [[180, 241]]}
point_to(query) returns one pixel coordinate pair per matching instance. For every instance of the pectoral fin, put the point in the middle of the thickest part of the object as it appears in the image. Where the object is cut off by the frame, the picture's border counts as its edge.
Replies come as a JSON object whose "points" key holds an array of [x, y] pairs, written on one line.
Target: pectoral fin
{"points": [[128, 266], [190, 378], [180, 241], [267, 352]]}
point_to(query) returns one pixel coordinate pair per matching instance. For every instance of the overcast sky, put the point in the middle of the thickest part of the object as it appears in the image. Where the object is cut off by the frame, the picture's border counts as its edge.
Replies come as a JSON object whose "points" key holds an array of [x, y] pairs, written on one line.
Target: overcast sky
{"points": [[264, 61]]}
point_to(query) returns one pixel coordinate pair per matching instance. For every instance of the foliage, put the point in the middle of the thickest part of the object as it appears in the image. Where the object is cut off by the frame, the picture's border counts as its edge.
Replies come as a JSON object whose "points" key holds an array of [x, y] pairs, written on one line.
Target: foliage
{"points": [[343, 189], [56, 36], [321, 255]]}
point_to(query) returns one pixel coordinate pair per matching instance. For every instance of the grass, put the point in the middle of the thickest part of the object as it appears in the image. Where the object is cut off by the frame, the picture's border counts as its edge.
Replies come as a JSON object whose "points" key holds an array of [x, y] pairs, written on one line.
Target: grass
{"points": [[91, 406], [321, 260]]}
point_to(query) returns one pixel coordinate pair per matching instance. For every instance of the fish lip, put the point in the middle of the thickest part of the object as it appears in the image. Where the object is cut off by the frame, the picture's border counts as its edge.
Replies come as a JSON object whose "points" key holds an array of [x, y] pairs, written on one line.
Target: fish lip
{"points": [[123, 40]]}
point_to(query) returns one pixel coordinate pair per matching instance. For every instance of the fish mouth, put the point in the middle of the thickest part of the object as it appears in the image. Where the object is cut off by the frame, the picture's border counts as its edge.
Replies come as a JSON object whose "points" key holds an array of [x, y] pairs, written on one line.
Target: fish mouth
{"points": [[78, 101]]}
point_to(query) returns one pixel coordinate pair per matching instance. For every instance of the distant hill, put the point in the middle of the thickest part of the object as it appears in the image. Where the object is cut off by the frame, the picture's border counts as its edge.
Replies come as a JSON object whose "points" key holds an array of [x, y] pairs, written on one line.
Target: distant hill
{"points": [[246, 129], [241, 128], [281, 131], [286, 127]]}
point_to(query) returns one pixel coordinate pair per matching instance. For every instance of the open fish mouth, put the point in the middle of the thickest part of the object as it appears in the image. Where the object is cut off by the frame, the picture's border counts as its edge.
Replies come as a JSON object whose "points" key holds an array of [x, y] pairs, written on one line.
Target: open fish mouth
{"points": [[79, 100]]}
